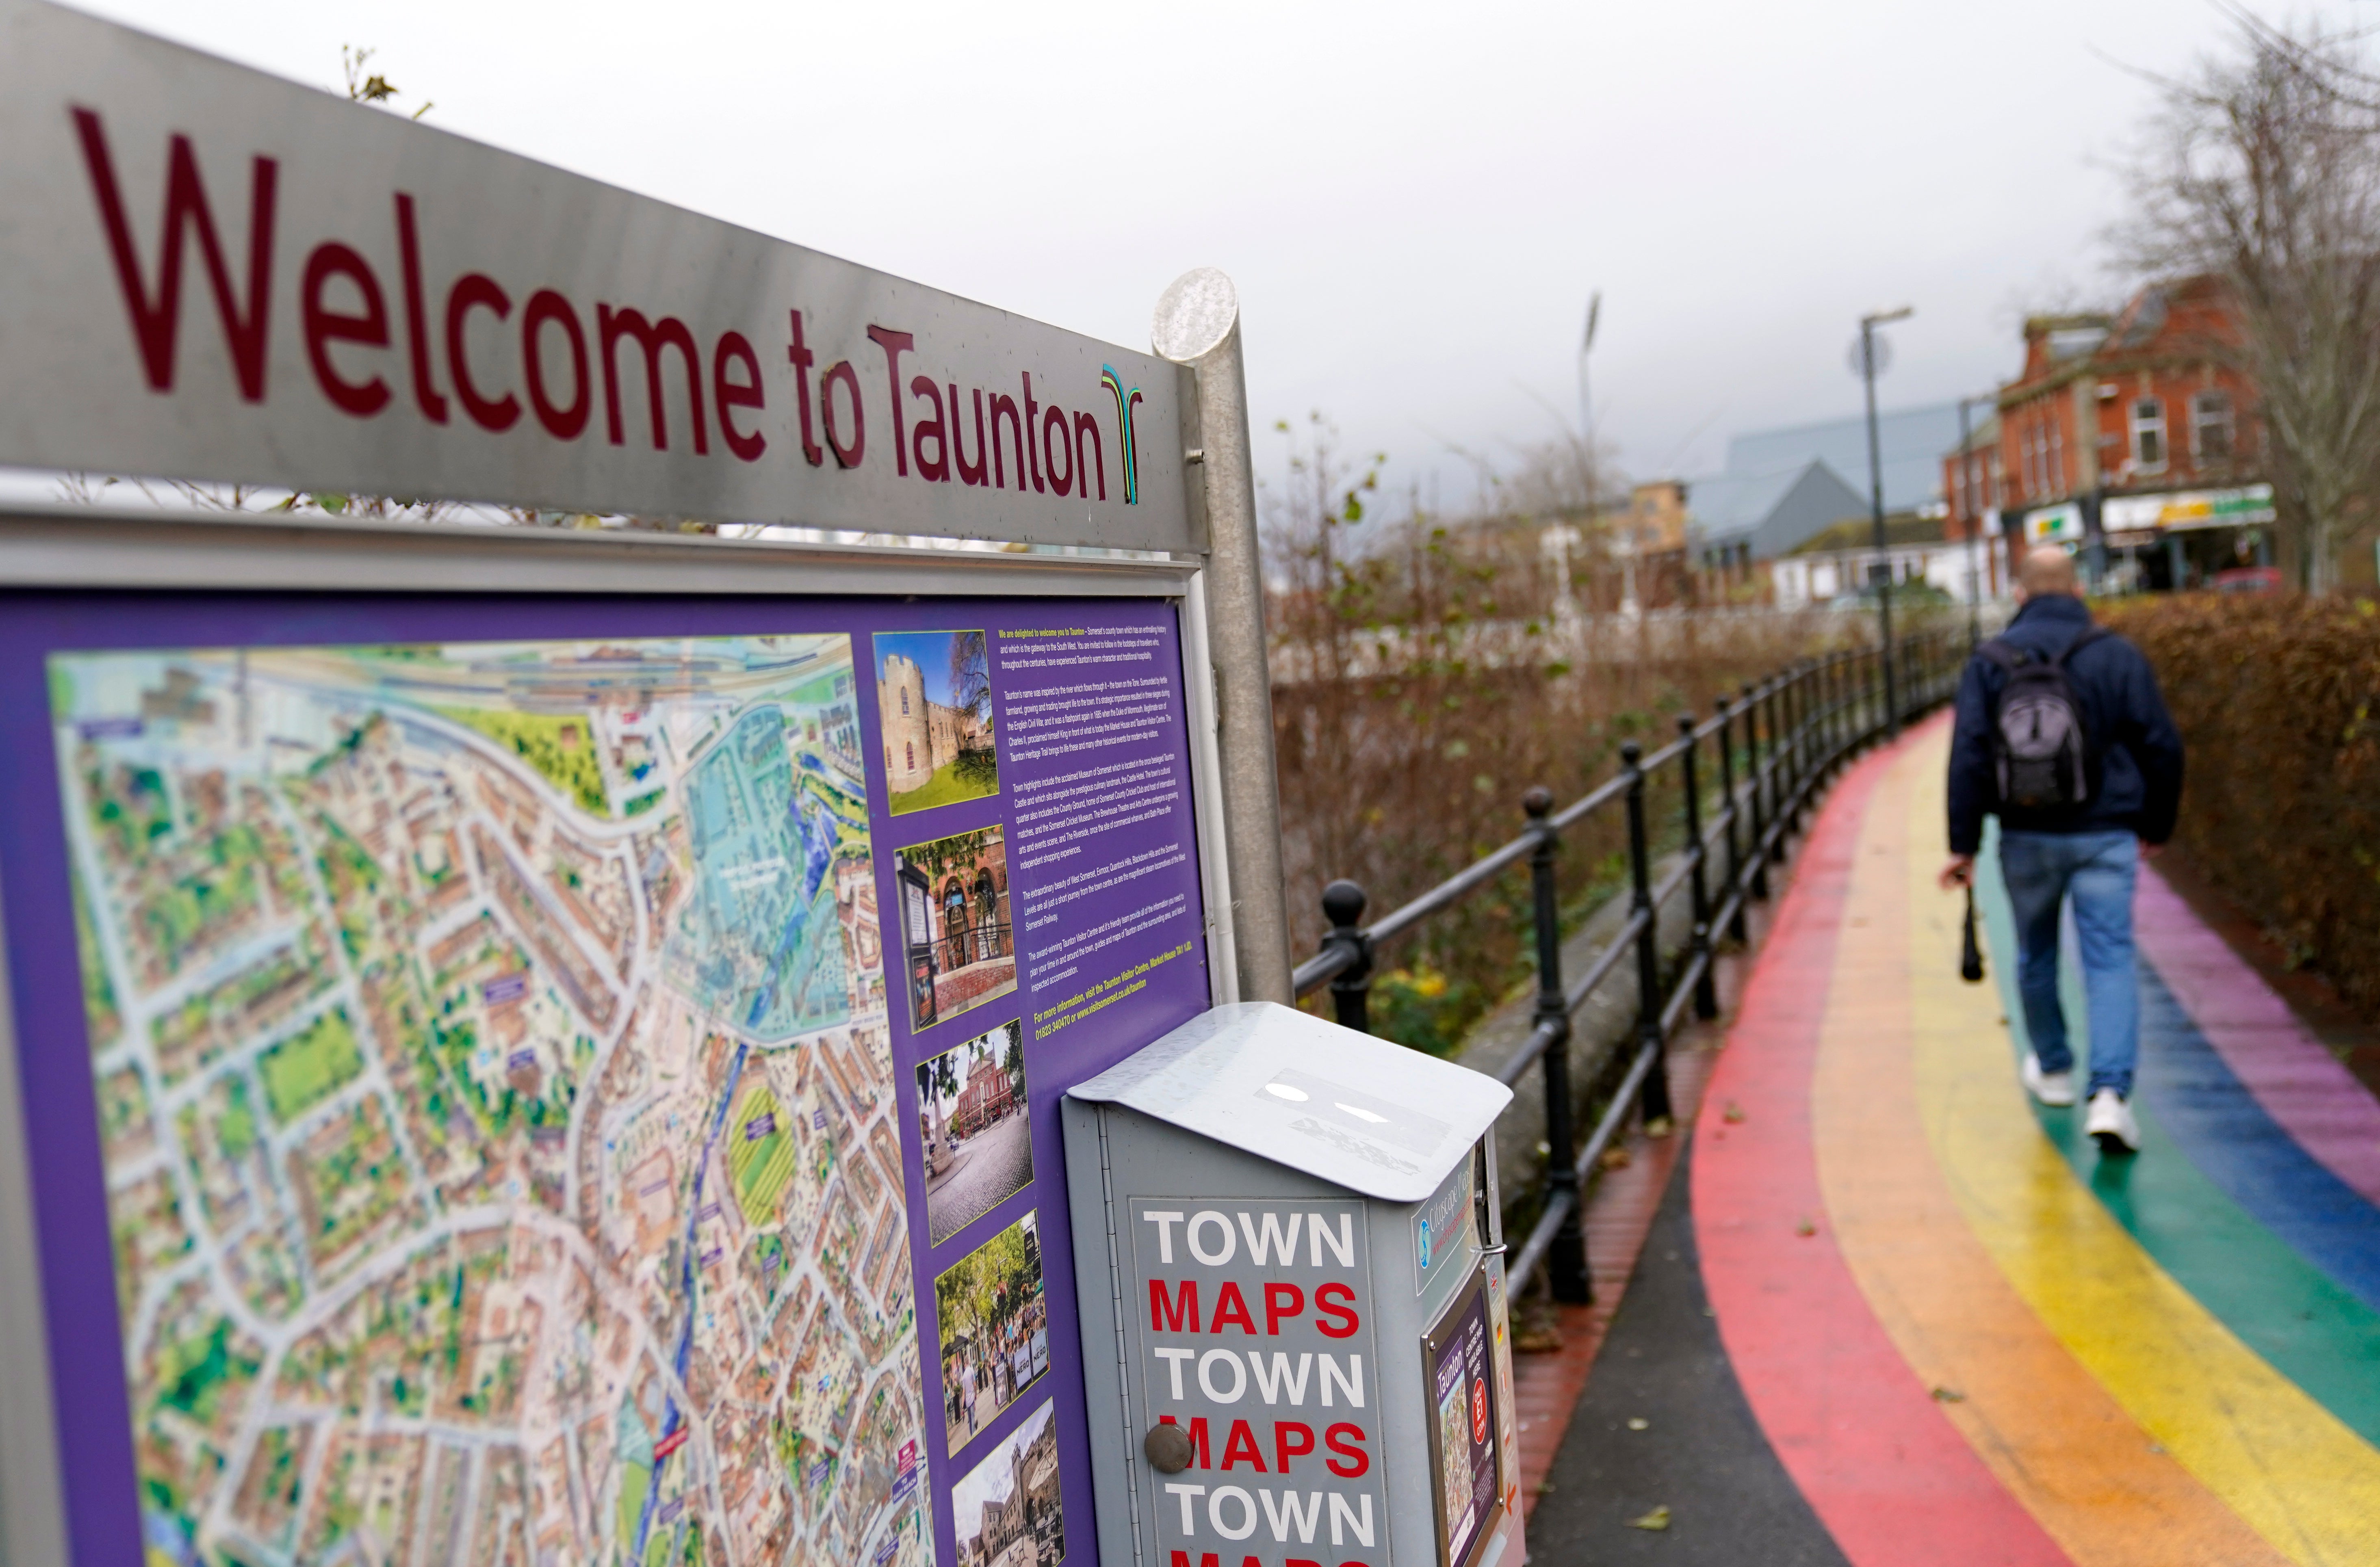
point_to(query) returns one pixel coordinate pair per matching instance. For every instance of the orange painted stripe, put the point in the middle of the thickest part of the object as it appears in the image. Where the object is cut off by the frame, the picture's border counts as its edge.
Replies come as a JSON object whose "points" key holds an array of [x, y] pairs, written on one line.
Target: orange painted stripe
{"points": [[1893, 1481], [2051, 1434]]}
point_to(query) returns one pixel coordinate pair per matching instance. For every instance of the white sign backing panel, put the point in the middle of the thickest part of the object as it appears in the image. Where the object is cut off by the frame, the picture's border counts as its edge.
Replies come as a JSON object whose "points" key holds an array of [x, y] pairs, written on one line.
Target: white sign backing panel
{"points": [[217, 274]]}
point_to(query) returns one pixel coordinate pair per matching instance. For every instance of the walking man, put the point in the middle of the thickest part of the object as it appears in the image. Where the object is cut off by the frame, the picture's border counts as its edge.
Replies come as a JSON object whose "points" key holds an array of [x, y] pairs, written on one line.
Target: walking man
{"points": [[2063, 734]]}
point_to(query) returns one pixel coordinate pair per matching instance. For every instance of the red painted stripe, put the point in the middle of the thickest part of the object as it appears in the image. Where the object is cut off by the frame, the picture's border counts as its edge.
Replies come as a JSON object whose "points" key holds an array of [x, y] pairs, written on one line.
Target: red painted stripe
{"points": [[1891, 1479]]}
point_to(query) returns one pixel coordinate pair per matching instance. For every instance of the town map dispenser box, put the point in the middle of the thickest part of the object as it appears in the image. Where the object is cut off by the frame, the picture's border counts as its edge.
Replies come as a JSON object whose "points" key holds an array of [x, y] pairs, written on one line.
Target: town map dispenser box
{"points": [[1306, 1359]]}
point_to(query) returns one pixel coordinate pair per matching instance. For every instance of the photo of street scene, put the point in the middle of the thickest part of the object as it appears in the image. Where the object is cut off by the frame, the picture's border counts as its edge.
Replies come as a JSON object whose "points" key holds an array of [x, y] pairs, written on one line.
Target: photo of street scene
{"points": [[933, 702], [995, 1330], [1004, 1511], [977, 1138], [957, 939]]}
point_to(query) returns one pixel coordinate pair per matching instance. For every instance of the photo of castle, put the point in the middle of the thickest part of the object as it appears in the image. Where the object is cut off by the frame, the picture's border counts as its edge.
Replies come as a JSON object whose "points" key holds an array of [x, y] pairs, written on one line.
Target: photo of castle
{"points": [[933, 697]]}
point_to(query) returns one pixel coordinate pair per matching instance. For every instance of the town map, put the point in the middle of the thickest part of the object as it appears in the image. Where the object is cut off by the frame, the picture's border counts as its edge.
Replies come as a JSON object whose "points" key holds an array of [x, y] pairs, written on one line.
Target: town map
{"points": [[496, 1103]]}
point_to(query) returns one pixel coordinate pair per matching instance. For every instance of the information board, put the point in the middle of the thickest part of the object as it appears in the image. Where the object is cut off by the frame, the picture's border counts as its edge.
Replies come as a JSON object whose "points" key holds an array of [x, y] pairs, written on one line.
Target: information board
{"points": [[520, 1078]]}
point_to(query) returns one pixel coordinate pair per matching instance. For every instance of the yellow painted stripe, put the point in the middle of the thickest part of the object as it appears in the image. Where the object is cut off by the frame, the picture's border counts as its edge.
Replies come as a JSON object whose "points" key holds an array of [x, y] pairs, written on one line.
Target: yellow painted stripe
{"points": [[2278, 1458], [2047, 1430]]}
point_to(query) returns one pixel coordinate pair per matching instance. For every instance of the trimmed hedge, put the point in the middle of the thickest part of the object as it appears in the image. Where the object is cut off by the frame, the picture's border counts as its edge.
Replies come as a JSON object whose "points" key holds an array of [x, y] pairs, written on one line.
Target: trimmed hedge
{"points": [[2278, 703]]}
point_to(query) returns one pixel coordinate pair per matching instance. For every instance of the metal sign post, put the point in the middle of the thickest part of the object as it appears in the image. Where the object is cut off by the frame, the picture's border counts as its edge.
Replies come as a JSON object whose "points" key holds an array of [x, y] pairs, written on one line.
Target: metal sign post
{"points": [[646, 964]]}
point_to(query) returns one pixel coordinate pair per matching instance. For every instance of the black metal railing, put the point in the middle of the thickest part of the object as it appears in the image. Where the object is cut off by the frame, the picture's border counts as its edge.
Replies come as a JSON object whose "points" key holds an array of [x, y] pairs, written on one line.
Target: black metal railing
{"points": [[1774, 745]]}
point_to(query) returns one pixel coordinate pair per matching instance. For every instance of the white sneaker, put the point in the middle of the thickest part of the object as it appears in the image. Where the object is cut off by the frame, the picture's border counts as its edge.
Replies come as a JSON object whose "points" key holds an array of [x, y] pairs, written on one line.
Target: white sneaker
{"points": [[2111, 1122], [2053, 1089]]}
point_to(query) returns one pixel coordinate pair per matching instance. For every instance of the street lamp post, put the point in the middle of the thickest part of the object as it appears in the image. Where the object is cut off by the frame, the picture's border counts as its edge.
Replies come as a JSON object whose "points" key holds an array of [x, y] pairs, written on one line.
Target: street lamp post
{"points": [[1973, 519], [1868, 324]]}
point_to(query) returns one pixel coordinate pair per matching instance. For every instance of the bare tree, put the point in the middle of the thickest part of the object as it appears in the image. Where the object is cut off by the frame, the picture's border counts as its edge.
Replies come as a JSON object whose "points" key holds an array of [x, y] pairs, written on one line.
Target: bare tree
{"points": [[2263, 170]]}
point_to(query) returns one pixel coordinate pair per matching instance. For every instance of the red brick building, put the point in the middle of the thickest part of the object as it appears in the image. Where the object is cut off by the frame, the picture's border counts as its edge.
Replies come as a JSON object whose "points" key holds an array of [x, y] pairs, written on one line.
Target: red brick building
{"points": [[2129, 437]]}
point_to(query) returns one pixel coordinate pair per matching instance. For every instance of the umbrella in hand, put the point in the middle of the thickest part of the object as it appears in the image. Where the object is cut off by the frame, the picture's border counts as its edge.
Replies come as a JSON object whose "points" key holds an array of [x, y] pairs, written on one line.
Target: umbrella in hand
{"points": [[1971, 954]]}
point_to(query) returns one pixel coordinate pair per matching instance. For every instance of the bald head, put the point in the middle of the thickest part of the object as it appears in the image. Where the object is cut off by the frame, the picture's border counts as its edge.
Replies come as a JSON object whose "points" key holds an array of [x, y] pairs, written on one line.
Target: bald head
{"points": [[2047, 569]]}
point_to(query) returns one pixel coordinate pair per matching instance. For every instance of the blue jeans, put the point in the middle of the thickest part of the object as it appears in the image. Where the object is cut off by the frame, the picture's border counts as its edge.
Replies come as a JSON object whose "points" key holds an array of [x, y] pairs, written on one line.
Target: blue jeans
{"points": [[2096, 871]]}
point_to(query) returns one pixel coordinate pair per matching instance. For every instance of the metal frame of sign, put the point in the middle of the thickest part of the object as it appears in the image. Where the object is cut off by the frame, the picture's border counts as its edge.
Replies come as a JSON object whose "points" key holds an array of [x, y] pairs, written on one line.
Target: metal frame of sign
{"points": [[68, 550]]}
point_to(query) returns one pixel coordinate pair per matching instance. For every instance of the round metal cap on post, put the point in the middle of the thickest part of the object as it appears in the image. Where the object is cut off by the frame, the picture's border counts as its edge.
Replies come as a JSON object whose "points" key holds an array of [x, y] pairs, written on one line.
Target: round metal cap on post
{"points": [[1197, 324]]}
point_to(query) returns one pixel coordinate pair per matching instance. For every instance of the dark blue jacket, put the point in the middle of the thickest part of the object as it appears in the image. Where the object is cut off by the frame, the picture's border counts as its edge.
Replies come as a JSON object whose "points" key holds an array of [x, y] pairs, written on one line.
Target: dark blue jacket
{"points": [[2123, 714]]}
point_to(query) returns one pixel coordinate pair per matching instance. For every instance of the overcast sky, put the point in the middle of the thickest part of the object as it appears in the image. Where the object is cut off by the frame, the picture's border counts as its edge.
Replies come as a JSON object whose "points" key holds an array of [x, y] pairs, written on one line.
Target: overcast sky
{"points": [[1415, 201]]}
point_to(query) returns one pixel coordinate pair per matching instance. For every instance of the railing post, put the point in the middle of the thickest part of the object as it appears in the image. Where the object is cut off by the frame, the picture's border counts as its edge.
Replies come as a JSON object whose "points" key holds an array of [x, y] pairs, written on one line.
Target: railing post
{"points": [[1648, 940], [1351, 988], [1706, 990], [1751, 792], [1733, 809], [1566, 1260], [1836, 719]]}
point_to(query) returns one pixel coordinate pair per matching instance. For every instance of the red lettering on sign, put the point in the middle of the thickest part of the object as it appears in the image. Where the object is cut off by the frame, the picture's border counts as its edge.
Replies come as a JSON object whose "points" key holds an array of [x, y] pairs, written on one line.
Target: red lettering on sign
{"points": [[1281, 1300], [474, 290], [969, 474], [563, 422], [1179, 1315], [1242, 1444], [734, 349], [938, 469], [417, 319], [1326, 1303], [1033, 455], [156, 326], [1053, 428], [1291, 1439], [325, 326], [1090, 448], [611, 326], [1346, 1440], [841, 374], [799, 356], [895, 344], [1182, 1559], [1231, 1306], [1197, 1429], [1004, 406]]}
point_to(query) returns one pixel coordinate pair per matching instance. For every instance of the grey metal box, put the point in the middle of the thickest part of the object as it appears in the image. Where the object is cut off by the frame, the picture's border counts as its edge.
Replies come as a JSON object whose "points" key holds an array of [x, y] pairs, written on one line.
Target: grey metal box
{"points": [[1303, 1274]]}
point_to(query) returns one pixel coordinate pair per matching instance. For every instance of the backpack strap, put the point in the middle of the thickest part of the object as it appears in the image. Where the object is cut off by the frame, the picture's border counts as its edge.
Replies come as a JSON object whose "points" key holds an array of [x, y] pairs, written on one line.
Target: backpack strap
{"points": [[2002, 651], [2090, 634]]}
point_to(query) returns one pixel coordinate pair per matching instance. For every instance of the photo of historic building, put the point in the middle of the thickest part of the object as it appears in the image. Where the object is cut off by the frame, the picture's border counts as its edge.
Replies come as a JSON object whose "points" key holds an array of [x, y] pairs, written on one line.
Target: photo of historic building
{"points": [[971, 1120], [1004, 1512], [960, 944], [933, 701]]}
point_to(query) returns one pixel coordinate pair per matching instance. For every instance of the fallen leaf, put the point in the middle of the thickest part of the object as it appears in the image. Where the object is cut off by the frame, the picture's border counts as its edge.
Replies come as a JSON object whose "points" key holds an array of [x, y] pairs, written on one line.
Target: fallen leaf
{"points": [[1657, 1520], [1616, 1158], [1733, 1113], [1640, 1424], [1658, 1126], [1805, 1228], [1949, 1395]]}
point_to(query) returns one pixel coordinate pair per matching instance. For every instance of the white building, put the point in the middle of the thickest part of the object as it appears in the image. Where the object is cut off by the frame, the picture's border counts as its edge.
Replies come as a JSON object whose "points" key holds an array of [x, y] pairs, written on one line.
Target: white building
{"points": [[1842, 560]]}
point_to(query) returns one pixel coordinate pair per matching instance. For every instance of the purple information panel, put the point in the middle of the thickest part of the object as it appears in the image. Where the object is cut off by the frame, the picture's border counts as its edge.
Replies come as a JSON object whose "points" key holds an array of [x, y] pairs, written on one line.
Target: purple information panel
{"points": [[524, 1078]]}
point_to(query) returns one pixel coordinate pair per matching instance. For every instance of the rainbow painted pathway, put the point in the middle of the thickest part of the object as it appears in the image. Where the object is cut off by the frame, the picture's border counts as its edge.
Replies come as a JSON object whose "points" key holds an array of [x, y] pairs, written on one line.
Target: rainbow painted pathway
{"points": [[1962, 1336]]}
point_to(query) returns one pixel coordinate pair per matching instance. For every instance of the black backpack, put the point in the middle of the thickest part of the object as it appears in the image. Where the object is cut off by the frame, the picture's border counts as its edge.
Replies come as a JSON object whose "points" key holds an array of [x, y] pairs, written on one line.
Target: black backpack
{"points": [[2042, 754]]}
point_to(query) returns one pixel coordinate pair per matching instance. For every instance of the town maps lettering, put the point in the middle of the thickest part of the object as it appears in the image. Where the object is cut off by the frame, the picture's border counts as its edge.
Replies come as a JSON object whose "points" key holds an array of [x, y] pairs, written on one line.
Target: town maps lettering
{"points": [[497, 1104]]}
